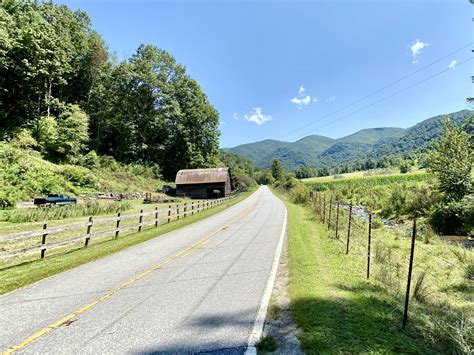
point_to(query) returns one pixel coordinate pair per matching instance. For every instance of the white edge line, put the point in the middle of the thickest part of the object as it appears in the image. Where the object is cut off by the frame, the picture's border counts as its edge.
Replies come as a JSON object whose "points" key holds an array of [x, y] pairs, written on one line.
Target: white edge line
{"points": [[262, 312]]}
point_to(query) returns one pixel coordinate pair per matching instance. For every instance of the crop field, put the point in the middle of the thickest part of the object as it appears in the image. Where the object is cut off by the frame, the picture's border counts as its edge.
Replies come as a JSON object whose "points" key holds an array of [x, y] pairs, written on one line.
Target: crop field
{"points": [[362, 174]]}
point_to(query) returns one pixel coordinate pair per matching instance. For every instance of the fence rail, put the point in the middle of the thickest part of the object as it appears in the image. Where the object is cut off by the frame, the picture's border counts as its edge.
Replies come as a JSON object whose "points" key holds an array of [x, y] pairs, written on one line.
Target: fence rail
{"points": [[160, 216]]}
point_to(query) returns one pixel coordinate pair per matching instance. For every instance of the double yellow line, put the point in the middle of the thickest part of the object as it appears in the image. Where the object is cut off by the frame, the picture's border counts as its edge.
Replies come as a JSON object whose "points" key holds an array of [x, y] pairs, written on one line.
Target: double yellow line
{"points": [[185, 252]]}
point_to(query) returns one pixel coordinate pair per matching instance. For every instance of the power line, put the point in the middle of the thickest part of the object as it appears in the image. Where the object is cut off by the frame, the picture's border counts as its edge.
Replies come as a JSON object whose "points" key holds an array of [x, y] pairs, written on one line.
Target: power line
{"points": [[392, 95], [381, 89]]}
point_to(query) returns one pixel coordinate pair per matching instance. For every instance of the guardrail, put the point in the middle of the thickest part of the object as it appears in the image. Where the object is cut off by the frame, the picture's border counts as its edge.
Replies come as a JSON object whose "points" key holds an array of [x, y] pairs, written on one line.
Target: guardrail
{"points": [[97, 228]]}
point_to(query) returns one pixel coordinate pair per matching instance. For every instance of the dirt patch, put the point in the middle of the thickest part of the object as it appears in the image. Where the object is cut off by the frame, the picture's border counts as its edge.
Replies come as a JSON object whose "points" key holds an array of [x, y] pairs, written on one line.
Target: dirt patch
{"points": [[279, 322]]}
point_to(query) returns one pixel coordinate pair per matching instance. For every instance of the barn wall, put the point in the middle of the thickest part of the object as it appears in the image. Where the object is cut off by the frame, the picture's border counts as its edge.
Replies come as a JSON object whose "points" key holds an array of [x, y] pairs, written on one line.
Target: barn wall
{"points": [[202, 191]]}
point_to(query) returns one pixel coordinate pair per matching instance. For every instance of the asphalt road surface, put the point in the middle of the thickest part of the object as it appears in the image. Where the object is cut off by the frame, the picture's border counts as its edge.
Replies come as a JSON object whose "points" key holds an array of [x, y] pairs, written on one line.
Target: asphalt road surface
{"points": [[198, 289]]}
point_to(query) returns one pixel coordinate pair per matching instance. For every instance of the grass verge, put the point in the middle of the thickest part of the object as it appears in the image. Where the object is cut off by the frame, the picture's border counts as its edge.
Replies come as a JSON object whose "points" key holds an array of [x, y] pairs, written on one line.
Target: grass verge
{"points": [[20, 275], [337, 310]]}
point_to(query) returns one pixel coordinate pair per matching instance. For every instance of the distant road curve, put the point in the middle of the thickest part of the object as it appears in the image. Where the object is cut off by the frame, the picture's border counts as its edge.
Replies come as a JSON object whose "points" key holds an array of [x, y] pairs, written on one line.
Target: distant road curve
{"points": [[198, 289]]}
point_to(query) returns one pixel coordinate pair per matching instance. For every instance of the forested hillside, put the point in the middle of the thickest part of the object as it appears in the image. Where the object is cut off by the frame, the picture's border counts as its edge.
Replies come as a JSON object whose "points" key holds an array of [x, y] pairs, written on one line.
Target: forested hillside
{"points": [[361, 149], [63, 94]]}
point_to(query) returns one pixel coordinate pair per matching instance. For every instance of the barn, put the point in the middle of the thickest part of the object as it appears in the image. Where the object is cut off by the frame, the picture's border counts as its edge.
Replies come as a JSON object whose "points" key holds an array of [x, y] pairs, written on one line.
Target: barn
{"points": [[203, 183]]}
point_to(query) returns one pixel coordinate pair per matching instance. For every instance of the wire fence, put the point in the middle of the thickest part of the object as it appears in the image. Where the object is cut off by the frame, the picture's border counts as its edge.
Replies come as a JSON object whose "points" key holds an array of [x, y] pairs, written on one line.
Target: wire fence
{"points": [[432, 280]]}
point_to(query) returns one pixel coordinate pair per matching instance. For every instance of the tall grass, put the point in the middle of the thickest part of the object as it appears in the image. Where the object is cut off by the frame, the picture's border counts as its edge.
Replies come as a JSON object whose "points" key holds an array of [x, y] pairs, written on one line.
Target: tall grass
{"points": [[63, 212]]}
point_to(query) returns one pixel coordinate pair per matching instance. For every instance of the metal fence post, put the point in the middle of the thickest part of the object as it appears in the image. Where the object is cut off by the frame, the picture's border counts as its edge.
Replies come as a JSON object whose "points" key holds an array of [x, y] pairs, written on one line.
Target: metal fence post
{"points": [[410, 269], [330, 208], [140, 219], [117, 225], [88, 237], [44, 239], [324, 210], [368, 245], [337, 220], [156, 216], [349, 228]]}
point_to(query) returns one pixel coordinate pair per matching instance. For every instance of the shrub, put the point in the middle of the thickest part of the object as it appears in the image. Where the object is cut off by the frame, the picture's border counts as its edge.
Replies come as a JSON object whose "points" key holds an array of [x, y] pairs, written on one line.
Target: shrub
{"points": [[108, 162], [24, 140], [90, 160], [79, 176], [244, 182], [454, 217]]}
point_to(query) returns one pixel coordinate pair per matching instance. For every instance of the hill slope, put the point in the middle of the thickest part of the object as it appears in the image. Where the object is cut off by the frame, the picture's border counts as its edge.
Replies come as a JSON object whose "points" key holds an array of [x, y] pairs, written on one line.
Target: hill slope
{"points": [[373, 142]]}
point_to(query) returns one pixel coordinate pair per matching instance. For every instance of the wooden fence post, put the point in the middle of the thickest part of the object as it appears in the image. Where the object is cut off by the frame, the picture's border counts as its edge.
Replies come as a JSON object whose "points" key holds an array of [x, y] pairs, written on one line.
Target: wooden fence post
{"points": [[156, 216], [140, 219], [169, 213], [117, 226], [330, 208], [368, 245], [410, 268], [88, 237], [177, 211], [349, 228], [185, 207], [192, 208], [44, 239], [337, 220]]}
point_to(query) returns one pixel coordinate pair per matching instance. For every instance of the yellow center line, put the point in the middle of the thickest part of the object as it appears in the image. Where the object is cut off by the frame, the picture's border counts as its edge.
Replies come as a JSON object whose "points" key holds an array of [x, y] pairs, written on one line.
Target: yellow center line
{"points": [[185, 252]]}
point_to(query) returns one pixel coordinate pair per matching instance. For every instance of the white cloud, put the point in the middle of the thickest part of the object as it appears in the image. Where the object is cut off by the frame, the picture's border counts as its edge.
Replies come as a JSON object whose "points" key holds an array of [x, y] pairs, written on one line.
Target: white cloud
{"points": [[416, 49], [301, 99], [236, 116], [257, 116], [452, 65], [331, 99]]}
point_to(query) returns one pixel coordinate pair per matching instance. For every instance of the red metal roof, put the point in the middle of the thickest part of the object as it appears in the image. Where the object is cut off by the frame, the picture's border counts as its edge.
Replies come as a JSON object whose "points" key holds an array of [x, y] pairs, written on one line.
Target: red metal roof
{"points": [[201, 176]]}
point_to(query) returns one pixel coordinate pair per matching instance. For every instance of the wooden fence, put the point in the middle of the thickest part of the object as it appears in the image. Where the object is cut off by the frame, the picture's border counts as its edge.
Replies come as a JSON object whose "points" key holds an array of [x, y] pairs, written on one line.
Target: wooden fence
{"points": [[43, 240]]}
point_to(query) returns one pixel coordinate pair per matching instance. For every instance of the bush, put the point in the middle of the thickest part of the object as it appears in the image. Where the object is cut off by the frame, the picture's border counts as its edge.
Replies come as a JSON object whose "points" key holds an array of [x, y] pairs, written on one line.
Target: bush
{"points": [[454, 217], [108, 162], [405, 167], [79, 176], [90, 160], [244, 182]]}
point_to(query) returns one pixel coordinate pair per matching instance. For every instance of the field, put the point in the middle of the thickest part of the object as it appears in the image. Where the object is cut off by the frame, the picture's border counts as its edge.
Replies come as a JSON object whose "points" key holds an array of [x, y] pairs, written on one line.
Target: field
{"points": [[395, 197], [341, 311], [362, 174]]}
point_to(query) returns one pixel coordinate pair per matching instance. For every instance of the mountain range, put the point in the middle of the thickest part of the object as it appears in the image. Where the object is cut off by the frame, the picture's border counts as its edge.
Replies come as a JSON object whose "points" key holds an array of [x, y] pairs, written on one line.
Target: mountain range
{"points": [[320, 151]]}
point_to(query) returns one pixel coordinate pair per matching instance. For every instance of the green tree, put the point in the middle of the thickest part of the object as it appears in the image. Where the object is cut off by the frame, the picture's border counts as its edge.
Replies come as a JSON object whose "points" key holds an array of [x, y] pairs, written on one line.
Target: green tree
{"points": [[73, 133], [277, 169], [405, 166], [451, 162]]}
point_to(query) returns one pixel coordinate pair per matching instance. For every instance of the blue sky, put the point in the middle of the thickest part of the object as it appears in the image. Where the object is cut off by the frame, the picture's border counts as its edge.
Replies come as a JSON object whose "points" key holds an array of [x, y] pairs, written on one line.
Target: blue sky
{"points": [[277, 69]]}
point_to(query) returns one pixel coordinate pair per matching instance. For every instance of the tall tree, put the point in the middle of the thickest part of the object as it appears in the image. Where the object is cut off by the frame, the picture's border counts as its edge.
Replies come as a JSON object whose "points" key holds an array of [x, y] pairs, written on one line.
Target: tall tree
{"points": [[451, 162]]}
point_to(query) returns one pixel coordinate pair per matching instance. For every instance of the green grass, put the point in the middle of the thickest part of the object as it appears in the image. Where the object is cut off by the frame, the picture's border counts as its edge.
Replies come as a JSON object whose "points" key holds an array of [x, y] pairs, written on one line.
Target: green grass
{"points": [[13, 277], [339, 311], [266, 344]]}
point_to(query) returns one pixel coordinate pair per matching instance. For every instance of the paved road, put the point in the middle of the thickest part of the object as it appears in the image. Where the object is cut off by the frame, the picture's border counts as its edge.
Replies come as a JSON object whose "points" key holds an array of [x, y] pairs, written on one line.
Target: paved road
{"points": [[197, 289]]}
